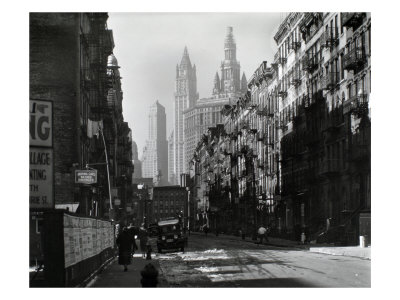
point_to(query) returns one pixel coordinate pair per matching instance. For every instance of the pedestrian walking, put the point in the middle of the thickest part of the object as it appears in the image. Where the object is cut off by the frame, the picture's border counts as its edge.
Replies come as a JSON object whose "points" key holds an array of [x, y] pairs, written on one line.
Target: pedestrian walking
{"points": [[143, 237], [125, 248], [133, 232], [205, 229], [262, 234]]}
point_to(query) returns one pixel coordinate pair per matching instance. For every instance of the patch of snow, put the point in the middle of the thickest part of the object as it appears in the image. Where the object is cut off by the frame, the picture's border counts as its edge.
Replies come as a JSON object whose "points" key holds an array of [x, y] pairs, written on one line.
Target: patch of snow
{"points": [[214, 251], [204, 255], [207, 269]]}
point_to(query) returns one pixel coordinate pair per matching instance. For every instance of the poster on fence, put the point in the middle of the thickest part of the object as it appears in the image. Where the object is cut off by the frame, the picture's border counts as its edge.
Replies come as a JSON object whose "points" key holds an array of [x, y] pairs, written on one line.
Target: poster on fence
{"points": [[85, 237]]}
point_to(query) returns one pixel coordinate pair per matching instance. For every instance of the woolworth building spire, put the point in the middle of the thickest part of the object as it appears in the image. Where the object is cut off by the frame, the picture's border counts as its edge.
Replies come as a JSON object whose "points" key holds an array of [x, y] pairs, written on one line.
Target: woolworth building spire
{"points": [[186, 96]]}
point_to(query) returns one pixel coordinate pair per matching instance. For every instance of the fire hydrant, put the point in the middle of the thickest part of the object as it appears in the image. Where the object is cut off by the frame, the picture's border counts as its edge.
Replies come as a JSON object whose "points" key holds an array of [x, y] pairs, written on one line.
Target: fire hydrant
{"points": [[149, 276]]}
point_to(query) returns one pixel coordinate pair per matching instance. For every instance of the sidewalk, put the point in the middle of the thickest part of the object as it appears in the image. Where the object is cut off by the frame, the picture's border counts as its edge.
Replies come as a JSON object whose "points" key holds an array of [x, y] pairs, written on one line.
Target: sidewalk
{"points": [[114, 276], [351, 251], [272, 240]]}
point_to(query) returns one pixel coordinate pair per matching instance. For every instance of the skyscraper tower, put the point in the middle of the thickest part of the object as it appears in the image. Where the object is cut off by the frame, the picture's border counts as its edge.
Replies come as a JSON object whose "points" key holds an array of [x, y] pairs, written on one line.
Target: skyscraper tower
{"points": [[230, 67], [186, 96], [155, 154], [227, 89]]}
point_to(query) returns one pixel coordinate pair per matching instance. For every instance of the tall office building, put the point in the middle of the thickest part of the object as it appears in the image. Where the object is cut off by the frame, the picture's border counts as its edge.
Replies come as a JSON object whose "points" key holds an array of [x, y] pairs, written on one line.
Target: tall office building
{"points": [[207, 111], [186, 96], [155, 153], [171, 166], [137, 164]]}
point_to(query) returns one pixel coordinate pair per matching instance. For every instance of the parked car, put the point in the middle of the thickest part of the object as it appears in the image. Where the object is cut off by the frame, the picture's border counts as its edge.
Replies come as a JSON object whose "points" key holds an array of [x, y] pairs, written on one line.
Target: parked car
{"points": [[170, 235]]}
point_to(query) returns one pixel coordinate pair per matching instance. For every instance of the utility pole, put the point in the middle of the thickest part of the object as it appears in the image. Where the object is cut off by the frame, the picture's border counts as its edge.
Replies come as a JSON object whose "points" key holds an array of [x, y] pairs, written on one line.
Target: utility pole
{"points": [[108, 171]]}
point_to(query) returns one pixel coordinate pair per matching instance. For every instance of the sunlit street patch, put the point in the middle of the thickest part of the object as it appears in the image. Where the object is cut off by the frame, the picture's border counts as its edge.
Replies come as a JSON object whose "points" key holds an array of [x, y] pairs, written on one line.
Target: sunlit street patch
{"points": [[204, 255]]}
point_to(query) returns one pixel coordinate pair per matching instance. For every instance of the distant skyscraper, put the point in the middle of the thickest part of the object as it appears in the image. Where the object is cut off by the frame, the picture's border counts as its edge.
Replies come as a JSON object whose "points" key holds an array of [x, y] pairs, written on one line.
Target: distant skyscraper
{"points": [[186, 96], [137, 164], [171, 166], [155, 153], [207, 111]]}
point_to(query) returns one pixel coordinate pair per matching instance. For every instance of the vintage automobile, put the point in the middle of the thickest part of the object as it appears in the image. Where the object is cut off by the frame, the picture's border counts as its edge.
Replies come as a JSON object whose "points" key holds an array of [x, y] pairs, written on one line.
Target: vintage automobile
{"points": [[170, 235]]}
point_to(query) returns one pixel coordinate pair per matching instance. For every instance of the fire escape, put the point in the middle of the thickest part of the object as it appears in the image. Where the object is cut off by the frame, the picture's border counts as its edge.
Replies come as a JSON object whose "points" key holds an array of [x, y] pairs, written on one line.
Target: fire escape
{"points": [[354, 59], [352, 20], [329, 38]]}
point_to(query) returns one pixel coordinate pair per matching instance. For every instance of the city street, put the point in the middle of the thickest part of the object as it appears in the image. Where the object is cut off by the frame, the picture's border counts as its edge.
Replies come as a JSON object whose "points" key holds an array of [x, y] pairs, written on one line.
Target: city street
{"points": [[250, 123], [222, 262]]}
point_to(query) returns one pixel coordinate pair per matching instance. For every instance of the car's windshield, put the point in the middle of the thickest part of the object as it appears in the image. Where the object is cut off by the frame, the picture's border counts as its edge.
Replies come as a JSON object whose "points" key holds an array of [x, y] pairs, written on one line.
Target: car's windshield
{"points": [[169, 228]]}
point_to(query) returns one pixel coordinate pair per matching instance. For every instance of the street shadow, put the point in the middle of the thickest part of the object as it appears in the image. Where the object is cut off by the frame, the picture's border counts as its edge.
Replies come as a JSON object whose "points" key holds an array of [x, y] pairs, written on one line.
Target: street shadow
{"points": [[266, 283], [251, 283]]}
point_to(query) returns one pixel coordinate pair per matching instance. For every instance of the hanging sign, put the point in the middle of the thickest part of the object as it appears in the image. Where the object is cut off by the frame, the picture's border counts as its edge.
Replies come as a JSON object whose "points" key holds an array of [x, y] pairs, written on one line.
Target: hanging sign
{"points": [[86, 176]]}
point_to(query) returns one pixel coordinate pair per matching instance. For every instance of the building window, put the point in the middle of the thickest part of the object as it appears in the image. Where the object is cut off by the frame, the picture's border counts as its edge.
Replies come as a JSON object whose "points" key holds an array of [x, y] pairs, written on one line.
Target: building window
{"points": [[341, 67]]}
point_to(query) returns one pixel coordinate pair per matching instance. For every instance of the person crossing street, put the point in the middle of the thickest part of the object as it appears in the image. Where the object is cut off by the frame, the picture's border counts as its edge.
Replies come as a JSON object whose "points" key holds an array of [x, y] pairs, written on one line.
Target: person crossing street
{"points": [[262, 234]]}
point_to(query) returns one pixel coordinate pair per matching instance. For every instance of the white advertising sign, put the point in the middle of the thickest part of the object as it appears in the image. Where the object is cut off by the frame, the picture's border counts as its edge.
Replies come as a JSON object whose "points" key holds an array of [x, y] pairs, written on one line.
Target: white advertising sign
{"points": [[41, 123], [41, 178]]}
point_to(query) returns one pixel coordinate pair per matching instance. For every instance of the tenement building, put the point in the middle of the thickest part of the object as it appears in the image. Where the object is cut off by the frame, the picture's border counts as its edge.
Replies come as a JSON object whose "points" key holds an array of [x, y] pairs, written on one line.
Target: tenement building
{"points": [[78, 75], [294, 151], [75, 87]]}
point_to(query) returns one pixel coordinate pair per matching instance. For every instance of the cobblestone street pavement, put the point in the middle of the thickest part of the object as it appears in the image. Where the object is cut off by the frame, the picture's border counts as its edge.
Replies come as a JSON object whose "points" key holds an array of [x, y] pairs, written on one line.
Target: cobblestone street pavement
{"points": [[212, 262]]}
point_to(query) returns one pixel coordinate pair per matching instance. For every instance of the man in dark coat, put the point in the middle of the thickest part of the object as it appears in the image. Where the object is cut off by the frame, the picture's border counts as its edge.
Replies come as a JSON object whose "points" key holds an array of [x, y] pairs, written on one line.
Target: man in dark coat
{"points": [[125, 247]]}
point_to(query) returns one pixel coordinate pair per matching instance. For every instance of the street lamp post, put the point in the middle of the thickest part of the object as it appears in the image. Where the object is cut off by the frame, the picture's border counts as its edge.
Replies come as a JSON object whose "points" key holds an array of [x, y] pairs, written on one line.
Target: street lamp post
{"points": [[188, 208], [108, 171]]}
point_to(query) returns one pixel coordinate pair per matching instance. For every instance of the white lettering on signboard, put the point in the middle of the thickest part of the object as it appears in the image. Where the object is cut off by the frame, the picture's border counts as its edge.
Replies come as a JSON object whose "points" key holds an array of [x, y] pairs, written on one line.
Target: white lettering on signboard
{"points": [[86, 177], [41, 123], [40, 178]]}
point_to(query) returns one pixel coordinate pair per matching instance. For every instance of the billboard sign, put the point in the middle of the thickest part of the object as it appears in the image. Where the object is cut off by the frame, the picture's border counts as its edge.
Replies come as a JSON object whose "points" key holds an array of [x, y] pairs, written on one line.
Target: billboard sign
{"points": [[86, 176], [40, 123], [41, 178]]}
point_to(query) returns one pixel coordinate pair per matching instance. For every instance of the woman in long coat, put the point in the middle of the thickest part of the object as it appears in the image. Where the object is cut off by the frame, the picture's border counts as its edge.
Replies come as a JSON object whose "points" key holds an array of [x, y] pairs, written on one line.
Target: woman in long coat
{"points": [[125, 244]]}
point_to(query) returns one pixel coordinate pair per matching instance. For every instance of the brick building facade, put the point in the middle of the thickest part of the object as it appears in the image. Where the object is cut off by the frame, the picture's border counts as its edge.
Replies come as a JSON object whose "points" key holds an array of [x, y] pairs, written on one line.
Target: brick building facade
{"points": [[295, 150]]}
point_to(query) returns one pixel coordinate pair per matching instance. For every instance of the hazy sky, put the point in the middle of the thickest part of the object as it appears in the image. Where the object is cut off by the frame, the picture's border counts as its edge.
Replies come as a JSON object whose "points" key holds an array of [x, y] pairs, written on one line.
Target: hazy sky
{"points": [[148, 46]]}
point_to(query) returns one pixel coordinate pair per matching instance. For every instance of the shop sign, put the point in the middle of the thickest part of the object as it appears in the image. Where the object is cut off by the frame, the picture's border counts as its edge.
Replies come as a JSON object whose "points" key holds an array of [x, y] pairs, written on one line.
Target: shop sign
{"points": [[40, 123], [86, 176], [41, 178]]}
